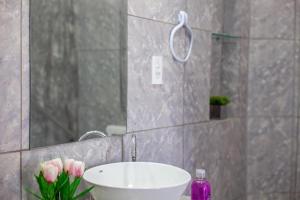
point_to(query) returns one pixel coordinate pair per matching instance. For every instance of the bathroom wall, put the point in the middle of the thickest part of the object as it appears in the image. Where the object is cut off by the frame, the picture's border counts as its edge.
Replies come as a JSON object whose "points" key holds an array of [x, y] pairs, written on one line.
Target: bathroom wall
{"points": [[18, 163], [272, 96], [171, 121]]}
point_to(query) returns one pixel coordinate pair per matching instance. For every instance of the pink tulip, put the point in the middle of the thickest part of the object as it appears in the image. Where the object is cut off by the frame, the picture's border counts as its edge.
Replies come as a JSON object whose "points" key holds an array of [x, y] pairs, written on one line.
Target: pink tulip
{"points": [[68, 164], [77, 169], [50, 172], [57, 163]]}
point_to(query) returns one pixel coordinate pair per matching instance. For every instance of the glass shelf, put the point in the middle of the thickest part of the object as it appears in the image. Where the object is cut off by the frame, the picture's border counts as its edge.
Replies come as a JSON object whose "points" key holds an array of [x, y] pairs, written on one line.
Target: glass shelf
{"points": [[219, 36]]}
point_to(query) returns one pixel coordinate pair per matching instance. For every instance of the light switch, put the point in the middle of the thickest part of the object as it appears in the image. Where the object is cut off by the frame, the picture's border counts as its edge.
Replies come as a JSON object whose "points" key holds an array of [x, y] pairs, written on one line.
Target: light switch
{"points": [[157, 70]]}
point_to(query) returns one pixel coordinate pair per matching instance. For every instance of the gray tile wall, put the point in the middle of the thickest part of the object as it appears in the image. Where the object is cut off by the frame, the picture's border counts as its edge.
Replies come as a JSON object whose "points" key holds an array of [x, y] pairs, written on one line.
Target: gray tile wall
{"points": [[218, 147], [10, 77], [272, 100], [170, 121]]}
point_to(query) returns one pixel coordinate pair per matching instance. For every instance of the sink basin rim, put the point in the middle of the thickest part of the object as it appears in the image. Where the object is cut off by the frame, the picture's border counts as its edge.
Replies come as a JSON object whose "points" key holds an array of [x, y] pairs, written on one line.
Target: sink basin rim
{"points": [[187, 178]]}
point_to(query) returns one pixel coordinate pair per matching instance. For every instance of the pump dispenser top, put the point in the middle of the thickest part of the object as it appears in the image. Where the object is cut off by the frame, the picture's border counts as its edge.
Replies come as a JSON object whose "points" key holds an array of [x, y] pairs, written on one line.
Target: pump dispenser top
{"points": [[200, 173]]}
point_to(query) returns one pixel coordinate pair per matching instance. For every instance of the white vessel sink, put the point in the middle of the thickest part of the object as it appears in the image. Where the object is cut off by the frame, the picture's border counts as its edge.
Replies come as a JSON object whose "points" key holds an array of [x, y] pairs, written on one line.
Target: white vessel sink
{"points": [[137, 181]]}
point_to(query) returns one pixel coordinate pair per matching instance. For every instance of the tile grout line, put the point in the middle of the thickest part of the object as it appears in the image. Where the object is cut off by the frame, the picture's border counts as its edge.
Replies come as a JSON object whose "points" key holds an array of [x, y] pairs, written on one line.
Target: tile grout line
{"points": [[296, 96], [183, 99], [248, 70], [21, 97]]}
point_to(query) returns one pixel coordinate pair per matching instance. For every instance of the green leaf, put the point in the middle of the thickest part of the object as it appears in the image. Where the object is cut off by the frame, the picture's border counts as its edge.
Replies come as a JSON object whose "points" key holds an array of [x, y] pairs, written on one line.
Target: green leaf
{"points": [[33, 194], [85, 192], [42, 186], [61, 181], [65, 189], [51, 190], [47, 189], [74, 186]]}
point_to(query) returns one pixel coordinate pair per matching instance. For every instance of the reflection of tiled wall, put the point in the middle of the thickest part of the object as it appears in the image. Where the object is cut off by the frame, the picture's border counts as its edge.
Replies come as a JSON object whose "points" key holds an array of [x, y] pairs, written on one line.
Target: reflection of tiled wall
{"points": [[272, 109], [85, 39], [100, 40], [54, 102], [171, 120]]}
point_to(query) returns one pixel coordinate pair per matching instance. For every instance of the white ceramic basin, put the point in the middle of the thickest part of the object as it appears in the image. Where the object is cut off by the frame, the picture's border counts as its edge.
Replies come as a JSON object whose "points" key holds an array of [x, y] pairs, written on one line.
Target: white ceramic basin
{"points": [[137, 181]]}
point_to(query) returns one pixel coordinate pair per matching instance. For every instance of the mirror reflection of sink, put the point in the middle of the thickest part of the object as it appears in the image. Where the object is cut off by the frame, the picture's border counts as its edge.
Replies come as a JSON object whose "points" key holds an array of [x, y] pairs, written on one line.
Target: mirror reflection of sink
{"points": [[137, 181]]}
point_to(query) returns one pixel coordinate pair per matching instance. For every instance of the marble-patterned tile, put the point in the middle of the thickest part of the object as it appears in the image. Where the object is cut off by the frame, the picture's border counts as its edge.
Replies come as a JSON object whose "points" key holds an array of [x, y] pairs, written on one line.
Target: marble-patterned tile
{"points": [[98, 24], [295, 196], [297, 163], [92, 152], [271, 69], [160, 145], [53, 68], [271, 196], [234, 174], [297, 19], [9, 5], [196, 80], [297, 78], [294, 159], [217, 15], [230, 76], [236, 17], [10, 32], [206, 14], [25, 74], [217, 147], [46, 130], [10, 176], [10, 91], [244, 58], [163, 10], [269, 148], [105, 91], [272, 19], [53, 94], [2, 5], [153, 106], [10, 109], [197, 140], [216, 66]]}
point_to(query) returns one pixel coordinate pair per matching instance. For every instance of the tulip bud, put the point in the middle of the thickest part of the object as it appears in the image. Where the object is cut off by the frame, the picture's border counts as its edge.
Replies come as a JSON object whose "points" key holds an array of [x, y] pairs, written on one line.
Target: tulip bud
{"points": [[77, 169], [68, 164], [57, 163], [50, 172]]}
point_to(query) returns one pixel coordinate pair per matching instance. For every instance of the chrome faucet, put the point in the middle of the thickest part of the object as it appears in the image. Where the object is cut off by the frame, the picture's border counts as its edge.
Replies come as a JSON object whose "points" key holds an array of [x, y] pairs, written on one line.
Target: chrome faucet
{"points": [[133, 148], [87, 134]]}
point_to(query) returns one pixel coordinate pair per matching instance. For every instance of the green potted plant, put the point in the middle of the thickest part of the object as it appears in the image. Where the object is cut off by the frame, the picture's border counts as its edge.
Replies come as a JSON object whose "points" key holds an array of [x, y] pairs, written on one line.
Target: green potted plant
{"points": [[216, 104]]}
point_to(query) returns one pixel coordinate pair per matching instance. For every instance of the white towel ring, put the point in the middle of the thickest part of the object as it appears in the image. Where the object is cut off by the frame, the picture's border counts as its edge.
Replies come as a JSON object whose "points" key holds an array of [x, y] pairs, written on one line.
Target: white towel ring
{"points": [[183, 23]]}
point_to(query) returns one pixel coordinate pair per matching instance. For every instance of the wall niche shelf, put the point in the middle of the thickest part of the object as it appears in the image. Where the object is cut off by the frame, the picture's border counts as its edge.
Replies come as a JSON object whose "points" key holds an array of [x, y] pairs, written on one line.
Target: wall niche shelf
{"points": [[219, 36]]}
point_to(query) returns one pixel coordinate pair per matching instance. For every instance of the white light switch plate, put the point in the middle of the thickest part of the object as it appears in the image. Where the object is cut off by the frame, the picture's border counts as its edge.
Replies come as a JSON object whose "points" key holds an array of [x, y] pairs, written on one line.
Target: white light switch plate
{"points": [[157, 70]]}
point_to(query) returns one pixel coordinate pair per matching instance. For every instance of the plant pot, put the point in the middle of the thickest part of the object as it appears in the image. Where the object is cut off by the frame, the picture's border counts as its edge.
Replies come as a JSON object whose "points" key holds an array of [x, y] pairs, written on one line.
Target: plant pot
{"points": [[215, 112]]}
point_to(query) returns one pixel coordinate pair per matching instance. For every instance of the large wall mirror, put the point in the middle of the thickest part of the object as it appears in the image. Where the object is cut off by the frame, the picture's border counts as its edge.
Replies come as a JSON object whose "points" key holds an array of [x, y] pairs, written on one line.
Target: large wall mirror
{"points": [[78, 67]]}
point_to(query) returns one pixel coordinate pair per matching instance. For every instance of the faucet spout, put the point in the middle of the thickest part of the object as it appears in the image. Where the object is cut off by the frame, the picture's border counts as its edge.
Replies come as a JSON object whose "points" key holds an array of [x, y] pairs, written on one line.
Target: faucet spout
{"points": [[87, 134], [133, 148]]}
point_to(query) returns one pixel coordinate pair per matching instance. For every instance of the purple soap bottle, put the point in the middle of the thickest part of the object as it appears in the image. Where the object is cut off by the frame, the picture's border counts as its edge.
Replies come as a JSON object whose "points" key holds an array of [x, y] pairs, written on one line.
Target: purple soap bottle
{"points": [[201, 189]]}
